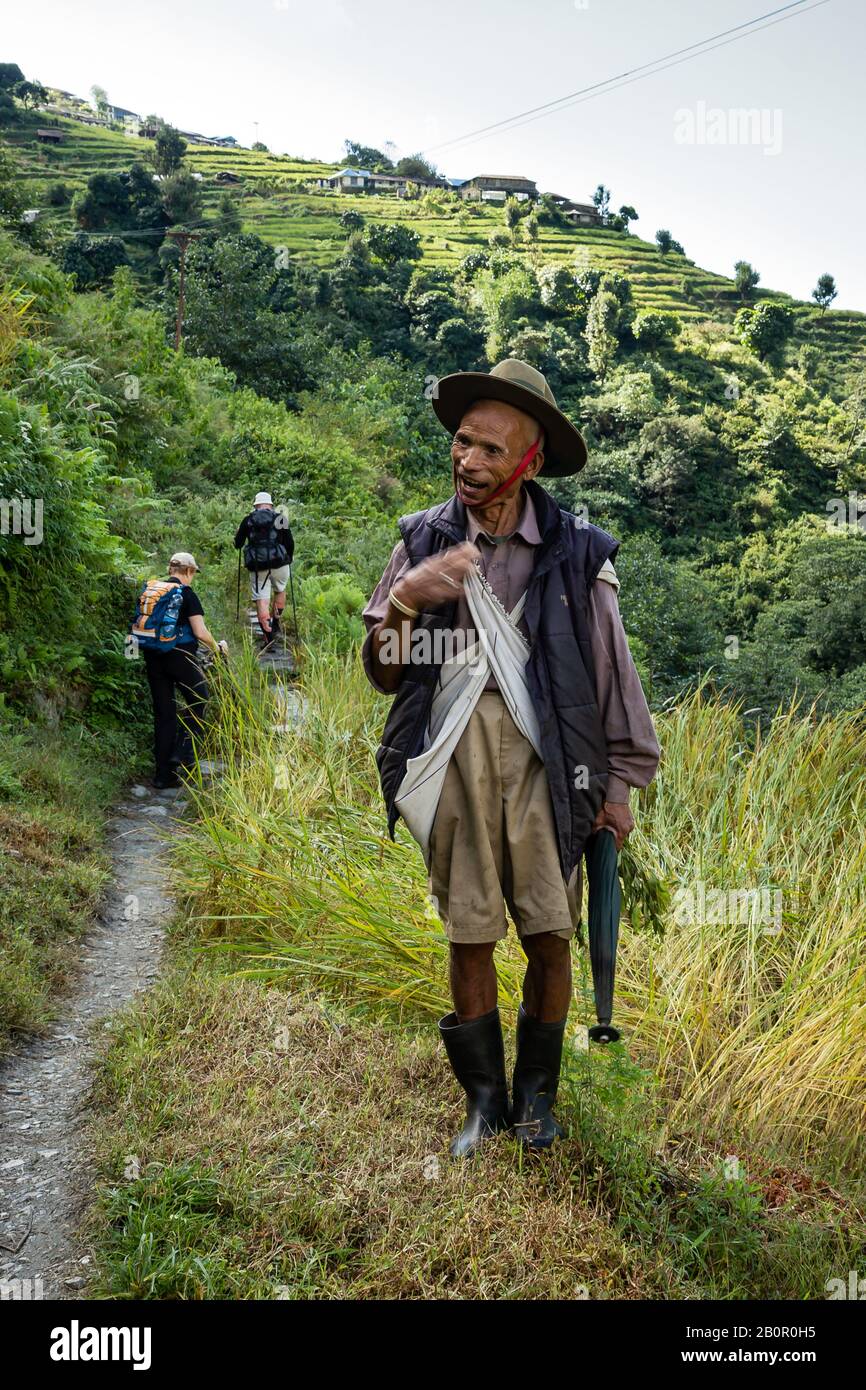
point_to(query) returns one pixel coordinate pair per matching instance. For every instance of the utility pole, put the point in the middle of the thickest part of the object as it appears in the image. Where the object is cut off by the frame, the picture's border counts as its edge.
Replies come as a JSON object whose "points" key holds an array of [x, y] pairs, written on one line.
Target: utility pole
{"points": [[256, 124], [183, 240]]}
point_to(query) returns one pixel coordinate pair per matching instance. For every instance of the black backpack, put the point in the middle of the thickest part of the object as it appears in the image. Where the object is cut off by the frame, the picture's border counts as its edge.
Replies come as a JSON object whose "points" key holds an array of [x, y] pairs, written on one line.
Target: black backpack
{"points": [[269, 540]]}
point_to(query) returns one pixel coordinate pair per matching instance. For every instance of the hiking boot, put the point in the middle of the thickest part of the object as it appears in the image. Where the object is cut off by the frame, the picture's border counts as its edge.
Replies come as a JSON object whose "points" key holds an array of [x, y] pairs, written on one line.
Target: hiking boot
{"points": [[166, 780], [536, 1077], [477, 1056]]}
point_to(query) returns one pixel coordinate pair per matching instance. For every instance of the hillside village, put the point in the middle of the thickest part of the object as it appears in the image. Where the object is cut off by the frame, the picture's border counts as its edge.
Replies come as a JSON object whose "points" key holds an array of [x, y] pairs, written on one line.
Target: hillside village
{"points": [[488, 188]]}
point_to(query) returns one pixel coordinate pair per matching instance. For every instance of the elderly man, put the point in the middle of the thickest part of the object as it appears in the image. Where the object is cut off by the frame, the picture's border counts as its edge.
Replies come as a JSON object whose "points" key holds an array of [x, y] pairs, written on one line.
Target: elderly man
{"points": [[517, 727]]}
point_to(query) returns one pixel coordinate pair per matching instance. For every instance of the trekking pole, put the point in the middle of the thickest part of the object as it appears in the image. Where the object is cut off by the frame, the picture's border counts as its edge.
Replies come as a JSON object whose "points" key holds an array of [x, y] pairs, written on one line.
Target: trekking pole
{"points": [[294, 609], [238, 612]]}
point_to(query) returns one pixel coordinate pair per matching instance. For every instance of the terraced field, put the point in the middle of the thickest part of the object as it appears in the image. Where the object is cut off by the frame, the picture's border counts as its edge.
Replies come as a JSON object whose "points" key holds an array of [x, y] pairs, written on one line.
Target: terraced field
{"points": [[277, 202]]}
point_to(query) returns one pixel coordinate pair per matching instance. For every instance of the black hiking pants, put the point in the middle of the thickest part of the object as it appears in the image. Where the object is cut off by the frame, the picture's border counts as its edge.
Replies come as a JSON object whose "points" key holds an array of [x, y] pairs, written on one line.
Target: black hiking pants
{"points": [[168, 672]]}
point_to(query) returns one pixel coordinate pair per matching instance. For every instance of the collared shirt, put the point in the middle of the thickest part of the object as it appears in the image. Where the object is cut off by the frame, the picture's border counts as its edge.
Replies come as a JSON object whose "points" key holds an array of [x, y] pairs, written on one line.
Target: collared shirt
{"points": [[632, 746]]}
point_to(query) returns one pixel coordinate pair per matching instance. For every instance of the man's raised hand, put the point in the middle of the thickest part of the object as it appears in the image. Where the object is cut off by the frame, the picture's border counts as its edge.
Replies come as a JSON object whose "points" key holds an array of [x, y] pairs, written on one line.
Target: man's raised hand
{"points": [[437, 580]]}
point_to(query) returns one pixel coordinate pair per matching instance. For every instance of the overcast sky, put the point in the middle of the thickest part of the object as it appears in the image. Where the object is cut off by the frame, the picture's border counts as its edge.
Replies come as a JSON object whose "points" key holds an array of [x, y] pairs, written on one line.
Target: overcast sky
{"points": [[791, 200]]}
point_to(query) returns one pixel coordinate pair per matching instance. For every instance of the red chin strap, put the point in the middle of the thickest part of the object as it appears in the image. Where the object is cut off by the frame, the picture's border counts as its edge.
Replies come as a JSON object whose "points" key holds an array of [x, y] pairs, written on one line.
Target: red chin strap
{"points": [[521, 468]]}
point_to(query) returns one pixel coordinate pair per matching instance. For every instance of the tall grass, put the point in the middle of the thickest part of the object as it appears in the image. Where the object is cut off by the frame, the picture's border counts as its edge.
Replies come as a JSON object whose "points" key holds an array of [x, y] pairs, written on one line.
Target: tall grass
{"points": [[753, 1027]]}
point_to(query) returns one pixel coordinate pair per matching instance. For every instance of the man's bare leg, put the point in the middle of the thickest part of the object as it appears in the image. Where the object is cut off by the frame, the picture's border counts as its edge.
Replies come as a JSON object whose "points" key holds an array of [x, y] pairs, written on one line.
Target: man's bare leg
{"points": [[263, 611], [547, 982], [473, 979]]}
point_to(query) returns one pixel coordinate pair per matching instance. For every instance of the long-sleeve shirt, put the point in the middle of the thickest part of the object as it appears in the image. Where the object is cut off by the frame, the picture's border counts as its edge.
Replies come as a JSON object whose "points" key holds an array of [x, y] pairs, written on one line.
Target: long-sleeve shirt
{"points": [[632, 746]]}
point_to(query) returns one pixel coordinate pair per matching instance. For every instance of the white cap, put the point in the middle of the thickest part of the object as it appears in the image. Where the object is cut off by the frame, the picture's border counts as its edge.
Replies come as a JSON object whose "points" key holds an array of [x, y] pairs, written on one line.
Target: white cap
{"points": [[183, 560], [263, 498]]}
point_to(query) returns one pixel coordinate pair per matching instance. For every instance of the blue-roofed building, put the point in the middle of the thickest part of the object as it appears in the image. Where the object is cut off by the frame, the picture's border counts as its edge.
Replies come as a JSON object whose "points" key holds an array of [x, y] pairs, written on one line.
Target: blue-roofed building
{"points": [[346, 180], [368, 181]]}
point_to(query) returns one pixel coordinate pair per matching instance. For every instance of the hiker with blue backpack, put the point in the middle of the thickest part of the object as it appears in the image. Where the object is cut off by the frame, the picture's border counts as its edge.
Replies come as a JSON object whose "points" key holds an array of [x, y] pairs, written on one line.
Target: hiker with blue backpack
{"points": [[167, 628], [269, 549]]}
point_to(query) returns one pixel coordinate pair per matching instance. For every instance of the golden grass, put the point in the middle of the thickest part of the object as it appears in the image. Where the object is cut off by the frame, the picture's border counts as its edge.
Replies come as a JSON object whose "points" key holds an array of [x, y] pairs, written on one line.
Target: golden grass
{"points": [[753, 1028]]}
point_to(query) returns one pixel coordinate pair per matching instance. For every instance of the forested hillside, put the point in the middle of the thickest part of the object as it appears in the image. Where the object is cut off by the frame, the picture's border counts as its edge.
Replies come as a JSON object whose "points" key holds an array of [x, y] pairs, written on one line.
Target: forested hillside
{"points": [[724, 442]]}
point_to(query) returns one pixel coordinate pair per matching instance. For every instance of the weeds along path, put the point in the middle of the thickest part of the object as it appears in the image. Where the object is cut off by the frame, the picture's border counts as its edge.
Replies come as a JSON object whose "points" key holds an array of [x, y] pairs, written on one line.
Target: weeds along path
{"points": [[46, 1173]]}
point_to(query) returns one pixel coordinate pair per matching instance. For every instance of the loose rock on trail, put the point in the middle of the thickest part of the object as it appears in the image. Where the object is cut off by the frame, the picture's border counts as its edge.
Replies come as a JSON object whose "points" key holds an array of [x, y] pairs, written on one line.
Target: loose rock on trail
{"points": [[46, 1172]]}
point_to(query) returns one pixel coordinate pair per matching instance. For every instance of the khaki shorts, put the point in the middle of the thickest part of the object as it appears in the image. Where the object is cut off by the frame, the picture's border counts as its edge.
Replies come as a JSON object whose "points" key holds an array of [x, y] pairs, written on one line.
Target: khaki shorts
{"points": [[261, 581], [494, 839]]}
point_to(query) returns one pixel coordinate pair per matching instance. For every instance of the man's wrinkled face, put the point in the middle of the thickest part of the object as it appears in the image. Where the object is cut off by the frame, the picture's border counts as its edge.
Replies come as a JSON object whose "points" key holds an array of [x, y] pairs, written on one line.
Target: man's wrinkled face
{"points": [[488, 446]]}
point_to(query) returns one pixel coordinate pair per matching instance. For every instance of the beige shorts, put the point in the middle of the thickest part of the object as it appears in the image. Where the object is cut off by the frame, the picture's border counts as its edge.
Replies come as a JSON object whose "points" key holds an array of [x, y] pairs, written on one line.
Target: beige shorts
{"points": [[494, 839], [261, 581]]}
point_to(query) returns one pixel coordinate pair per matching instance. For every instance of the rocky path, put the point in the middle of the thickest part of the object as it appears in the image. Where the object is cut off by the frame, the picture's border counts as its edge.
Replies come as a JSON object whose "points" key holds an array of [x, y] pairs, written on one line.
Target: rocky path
{"points": [[46, 1173]]}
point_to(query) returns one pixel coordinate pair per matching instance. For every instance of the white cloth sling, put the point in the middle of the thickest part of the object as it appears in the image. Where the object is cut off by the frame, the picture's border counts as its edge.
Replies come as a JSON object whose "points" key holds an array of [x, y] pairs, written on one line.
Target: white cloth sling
{"points": [[500, 648]]}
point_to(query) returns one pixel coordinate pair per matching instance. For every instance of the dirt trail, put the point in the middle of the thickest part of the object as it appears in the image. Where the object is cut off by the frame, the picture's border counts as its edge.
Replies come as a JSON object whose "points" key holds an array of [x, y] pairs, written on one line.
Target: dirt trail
{"points": [[46, 1172]]}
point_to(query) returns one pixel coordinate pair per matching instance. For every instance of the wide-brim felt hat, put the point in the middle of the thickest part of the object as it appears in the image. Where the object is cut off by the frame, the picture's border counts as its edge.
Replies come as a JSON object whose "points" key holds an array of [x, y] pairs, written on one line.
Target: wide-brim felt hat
{"points": [[517, 384]]}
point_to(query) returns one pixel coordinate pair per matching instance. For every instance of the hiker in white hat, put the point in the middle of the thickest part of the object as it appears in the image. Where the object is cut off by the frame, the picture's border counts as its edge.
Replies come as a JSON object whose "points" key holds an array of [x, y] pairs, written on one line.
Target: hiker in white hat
{"points": [[167, 628], [504, 752], [269, 549]]}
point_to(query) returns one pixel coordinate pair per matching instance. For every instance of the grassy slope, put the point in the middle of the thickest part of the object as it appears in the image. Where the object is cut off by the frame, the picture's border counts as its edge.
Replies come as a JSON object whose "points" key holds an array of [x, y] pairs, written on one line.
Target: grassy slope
{"points": [[307, 222], [261, 1143], [273, 1119], [55, 790]]}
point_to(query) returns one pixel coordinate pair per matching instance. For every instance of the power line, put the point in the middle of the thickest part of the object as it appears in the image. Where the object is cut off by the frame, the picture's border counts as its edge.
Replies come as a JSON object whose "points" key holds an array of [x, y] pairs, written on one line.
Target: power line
{"points": [[640, 77], [635, 74], [204, 224]]}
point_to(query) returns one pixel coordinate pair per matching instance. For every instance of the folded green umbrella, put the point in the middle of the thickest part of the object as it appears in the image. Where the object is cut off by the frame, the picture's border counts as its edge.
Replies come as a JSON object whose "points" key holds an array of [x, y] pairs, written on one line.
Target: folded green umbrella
{"points": [[605, 904]]}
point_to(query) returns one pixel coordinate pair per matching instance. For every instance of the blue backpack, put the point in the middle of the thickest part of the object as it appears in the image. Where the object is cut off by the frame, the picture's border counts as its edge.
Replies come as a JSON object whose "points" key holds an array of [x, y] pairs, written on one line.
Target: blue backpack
{"points": [[157, 624]]}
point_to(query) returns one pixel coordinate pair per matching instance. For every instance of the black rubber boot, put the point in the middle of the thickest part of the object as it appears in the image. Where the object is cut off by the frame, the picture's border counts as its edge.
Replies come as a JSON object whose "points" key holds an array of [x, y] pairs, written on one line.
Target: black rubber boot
{"points": [[477, 1056], [536, 1077]]}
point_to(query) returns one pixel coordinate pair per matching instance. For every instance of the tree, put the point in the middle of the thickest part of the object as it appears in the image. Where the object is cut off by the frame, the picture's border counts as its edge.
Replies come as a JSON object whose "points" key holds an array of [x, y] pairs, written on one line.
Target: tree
{"points": [[766, 328], [600, 338], [92, 260], [471, 264], [232, 285], [620, 221], [30, 93], [169, 148], [513, 213], [652, 328], [10, 76], [9, 113], [745, 279], [392, 242], [104, 203], [666, 243], [227, 214], [351, 221], [557, 289], [825, 291], [430, 310], [128, 201], [181, 196], [414, 166], [460, 344], [367, 157], [12, 201], [601, 198], [259, 147], [100, 100]]}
